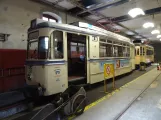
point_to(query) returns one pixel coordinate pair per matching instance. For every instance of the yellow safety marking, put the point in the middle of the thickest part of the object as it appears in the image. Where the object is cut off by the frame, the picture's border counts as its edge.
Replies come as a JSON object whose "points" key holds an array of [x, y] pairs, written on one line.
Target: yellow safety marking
{"points": [[109, 95]]}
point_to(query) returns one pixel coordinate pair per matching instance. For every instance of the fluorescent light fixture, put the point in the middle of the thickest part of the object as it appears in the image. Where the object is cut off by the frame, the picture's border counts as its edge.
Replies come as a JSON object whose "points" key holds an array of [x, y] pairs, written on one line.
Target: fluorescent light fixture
{"points": [[137, 36], [135, 12], [155, 32], [129, 33], [118, 27], [158, 36], [148, 25], [82, 24], [52, 20], [143, 39], [160, 39], [45, 18]]}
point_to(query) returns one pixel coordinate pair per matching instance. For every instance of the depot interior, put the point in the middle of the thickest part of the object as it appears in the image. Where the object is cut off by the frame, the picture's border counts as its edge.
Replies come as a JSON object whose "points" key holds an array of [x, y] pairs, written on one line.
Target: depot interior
{"points": [[137, 20]]}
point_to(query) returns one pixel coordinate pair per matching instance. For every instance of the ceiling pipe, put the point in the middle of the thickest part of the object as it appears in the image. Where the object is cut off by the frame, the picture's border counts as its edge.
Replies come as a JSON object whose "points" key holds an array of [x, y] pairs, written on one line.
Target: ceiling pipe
{"points": [[127, 17], [92, 4], [105, 6], [111, 5]]}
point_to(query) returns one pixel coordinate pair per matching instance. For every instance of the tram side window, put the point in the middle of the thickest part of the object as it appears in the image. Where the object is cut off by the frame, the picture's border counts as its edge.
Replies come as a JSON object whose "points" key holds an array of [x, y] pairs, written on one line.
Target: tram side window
{"points": [[138, 51], [81, 48], [124, 51], [109, 50], [58, 44], [128, 52], [102, 50], [141, 51], [105, 50], [120, 51], [115, 51], [43, 47], [149, 52], [77, 49]]}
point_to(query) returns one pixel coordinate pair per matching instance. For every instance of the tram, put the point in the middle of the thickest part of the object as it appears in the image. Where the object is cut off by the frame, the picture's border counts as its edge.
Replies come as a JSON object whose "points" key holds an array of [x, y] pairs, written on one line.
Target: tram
{"points": [[143, 53], [61, 53]]}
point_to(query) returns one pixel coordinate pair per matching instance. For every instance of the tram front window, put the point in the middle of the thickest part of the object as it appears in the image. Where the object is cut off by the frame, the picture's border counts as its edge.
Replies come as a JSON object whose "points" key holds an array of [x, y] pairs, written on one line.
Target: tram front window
{"points": [[32, 50], [38, 49], [43, 47]]}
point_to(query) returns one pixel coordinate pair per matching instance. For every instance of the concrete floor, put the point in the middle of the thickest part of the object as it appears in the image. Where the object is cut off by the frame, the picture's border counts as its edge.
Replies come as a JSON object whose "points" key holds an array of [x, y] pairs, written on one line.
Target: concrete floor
{"points": [[140, 100], [148, 104], [94, 93]]}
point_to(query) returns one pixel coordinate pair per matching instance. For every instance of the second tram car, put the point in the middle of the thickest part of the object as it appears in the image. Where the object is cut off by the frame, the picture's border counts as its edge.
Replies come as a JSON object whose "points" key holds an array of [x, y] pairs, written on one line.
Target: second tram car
{"points": [[61, 53], [143, 53]]}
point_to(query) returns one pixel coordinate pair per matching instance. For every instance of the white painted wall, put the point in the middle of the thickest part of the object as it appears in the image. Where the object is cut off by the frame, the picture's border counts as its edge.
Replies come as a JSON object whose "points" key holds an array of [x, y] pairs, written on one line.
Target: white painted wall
{"points": [[15, 17]]}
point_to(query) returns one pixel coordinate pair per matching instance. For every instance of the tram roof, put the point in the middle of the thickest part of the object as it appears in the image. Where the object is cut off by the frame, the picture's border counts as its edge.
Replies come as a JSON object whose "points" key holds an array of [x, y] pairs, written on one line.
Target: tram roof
{"points": [[66, 27], [138, 44], [150, 46]]}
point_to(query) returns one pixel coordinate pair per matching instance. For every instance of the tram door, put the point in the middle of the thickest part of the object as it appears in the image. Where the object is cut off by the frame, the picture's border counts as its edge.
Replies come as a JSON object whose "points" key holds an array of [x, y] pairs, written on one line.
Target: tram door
{"points": [[76, 46]]}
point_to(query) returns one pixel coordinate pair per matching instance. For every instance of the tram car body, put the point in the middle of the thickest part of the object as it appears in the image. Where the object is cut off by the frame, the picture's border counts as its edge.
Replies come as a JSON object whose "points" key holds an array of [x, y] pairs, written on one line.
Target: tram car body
{"points": [[143, 53], [60, 53]]}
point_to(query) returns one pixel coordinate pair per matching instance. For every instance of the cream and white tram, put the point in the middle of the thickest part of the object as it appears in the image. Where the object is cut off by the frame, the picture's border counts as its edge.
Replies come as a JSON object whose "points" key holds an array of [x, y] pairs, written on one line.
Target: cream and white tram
{"points": [[61, 53], [143, 53]]}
